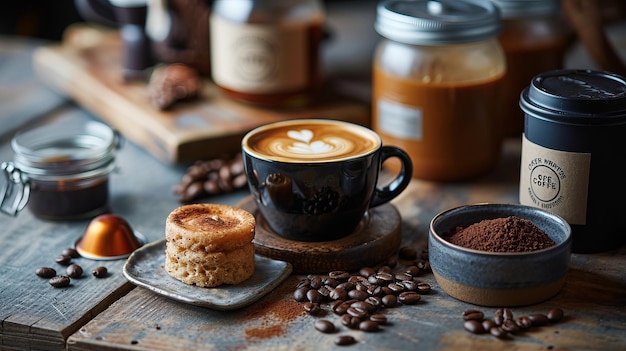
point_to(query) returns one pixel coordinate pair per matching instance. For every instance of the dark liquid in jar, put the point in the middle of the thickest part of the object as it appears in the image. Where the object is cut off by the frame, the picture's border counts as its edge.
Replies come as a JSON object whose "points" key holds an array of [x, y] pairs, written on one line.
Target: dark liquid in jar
{"points": [[69, 202], [292, 98], [460, 137]]}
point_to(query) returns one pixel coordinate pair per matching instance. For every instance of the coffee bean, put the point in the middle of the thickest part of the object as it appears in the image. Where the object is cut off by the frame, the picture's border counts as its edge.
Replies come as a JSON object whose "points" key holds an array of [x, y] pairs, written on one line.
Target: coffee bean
{"points": [[403, 277], [347, 286], [364, 306], [46, 272], [390, 301], [358, 294], [391, 262], [316, 282], [488, 324], [379, 318], [498, 333], [507, 314], [409, 297], [330, 282], [376, 278], [357, 312], [70, 252], [339, 275], [423, 288], [423, 266], [338, 294], [324, 326], [510, 326], [413, 270], [555, 315], [410, 285], [407, 253], [385, 269], [341, 308], [350, 321], [324, 291], [374, 301], [63, 260], [498, 319], [344, 340], [304, 283], [100, 272], [362, 286], [366, 272], [473, 326], [473, 315], [368, 326], [313, 295], [311, 308], [74, 271], [538, 319], [396, 288], [300, 294], [523, 322], [59, 281]]}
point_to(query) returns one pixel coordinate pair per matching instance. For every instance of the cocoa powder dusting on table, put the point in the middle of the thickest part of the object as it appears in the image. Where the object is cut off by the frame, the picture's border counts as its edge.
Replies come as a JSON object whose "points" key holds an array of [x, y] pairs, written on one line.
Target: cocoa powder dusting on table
{"points": [[508, 234], [273, 315]]}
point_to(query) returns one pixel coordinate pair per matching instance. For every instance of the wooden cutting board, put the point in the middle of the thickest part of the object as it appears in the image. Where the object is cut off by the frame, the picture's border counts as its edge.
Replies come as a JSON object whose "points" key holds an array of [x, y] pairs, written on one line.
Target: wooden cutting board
{"points": [[86, 66]]}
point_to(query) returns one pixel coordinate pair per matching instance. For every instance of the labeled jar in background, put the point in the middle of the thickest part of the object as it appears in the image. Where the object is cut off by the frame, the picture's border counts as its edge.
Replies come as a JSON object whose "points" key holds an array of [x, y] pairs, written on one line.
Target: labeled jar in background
{"points": [[436, 80], [534, 38], [60, 171], [267, 53], [574, 152]]}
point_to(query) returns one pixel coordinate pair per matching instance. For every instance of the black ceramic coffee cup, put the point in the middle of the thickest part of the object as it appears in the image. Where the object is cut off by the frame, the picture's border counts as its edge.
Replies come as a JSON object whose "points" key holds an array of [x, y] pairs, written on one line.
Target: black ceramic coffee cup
{"points": [[315, 179]]}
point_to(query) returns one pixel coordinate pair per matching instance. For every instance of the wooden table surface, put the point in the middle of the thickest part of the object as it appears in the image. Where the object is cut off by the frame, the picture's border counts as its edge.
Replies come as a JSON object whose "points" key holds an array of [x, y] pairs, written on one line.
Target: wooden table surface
{"points": [[113, 314]]}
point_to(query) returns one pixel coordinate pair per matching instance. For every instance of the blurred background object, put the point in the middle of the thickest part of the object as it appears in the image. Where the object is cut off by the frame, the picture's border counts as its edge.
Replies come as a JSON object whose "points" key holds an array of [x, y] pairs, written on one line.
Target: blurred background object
{"points": [[43, 19]]}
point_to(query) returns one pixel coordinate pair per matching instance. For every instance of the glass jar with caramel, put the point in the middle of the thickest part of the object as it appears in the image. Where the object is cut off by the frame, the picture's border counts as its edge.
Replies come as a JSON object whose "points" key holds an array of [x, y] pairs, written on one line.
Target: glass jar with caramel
{"points": [[267, 53], [437, 75], [534, 38], [60, 171]]}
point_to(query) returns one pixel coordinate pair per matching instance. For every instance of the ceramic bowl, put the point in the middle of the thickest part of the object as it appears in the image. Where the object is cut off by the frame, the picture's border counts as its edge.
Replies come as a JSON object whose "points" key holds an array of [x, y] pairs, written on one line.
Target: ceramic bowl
{"points": [[499, 279]]}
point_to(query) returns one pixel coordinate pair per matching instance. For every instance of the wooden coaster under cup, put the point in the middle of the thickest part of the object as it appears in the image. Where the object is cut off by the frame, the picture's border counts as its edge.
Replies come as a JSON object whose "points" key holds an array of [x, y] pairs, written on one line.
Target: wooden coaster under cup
{"points": [[375, 240]]}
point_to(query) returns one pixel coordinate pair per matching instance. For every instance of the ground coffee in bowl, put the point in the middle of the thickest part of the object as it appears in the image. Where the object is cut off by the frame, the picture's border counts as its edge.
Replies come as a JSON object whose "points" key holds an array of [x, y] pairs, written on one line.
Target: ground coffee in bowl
{"points": [[508, 234]]}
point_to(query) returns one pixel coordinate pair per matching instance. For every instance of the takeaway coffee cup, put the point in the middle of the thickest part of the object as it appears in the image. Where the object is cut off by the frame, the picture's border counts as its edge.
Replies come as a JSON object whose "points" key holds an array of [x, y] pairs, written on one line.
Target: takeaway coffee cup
{"points": [[315, 179]]}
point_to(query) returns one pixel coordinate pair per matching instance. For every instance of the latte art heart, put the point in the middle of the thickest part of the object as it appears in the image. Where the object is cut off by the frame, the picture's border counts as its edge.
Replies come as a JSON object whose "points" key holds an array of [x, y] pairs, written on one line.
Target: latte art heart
{"points": [[313, 142], [304, 135]]}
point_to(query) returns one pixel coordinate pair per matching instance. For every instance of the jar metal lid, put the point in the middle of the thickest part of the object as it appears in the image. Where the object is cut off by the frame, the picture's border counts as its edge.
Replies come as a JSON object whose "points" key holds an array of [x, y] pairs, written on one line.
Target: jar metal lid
{"points": [[65, 149], [577, 97], [510, 9], [436, 22]]}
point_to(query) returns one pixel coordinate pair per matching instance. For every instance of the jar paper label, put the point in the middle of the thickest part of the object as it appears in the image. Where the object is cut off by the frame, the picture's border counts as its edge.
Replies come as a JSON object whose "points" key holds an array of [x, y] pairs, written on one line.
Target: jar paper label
{"points": [[400, 121], [554, 180], [257, 58]]}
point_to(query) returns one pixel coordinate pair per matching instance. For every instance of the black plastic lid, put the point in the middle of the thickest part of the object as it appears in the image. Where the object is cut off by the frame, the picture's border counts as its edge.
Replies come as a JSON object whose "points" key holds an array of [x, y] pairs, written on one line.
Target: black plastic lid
{"points": [[576, 96]]}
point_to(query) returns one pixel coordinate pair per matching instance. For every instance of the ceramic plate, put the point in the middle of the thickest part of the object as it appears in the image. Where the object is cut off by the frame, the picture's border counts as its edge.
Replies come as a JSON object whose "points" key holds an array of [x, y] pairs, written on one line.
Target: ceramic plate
{"points": [[144, 268]]}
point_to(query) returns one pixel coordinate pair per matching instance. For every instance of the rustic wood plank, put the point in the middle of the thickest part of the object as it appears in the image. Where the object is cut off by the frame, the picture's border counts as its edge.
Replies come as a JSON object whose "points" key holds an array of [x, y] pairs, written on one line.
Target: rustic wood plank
{"points": [[594, 300], [30, 309], [86, 67]]}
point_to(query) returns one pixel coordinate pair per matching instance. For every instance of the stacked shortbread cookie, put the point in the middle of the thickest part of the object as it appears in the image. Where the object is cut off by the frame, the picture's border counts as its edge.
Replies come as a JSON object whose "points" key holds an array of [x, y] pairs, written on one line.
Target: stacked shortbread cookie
{"points": [[209, 244]]}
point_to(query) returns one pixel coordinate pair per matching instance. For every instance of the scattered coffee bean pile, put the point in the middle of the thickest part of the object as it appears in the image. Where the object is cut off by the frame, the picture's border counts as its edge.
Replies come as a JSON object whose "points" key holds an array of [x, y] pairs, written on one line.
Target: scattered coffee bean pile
{"points": [[359, 299], [213, 177], [504, 324], [72, 270]]}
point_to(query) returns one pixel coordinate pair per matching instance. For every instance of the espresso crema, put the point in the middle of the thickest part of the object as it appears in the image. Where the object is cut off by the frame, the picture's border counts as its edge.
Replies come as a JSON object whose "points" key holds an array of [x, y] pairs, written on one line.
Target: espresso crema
{"points": [[310, 141]]}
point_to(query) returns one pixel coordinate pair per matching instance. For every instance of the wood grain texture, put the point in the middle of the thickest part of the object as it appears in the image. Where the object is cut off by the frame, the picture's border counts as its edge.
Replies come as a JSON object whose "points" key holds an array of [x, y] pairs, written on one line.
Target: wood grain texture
{"points": [[593, 298], [375, 240], [86, 67]]}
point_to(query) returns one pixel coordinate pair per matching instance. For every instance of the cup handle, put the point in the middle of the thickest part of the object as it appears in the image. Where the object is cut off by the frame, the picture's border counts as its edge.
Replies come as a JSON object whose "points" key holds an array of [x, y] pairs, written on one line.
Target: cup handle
{"points": [[400, 182]]}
